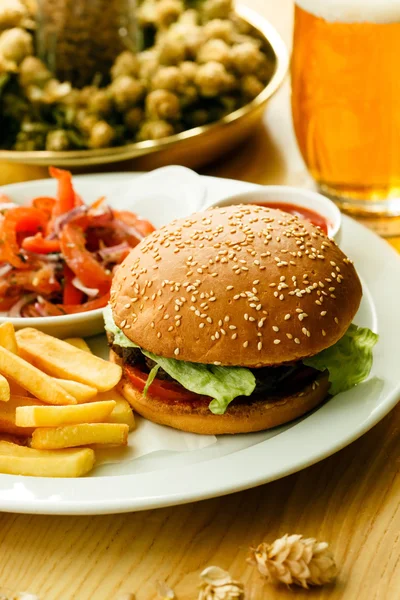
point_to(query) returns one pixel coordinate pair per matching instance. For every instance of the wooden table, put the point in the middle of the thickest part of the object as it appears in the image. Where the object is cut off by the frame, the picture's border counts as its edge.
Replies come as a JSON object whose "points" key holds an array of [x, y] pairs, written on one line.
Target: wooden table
{"points": [[350, 499]]}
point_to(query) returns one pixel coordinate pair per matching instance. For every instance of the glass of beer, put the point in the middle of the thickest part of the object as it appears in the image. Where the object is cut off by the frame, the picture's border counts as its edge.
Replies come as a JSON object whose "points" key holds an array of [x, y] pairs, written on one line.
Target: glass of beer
{"points": [[346, 104]]}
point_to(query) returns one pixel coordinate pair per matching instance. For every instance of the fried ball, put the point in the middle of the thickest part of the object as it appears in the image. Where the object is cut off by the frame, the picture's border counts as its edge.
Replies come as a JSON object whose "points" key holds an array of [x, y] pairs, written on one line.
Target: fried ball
{"points": [[221, 29], [168, 78], [251, 86], [189, 70], [126, 92], [15, 45], [155, 130], [133, 118], [212, 79], [162, 104], [246, 57], [126, 63], [168, 11], [101, 135], [12, 13], [85, 121], [148, 63], [57, 140], [189, 16], [100, 103], [32, 71], [216, 9], [215, 50]]}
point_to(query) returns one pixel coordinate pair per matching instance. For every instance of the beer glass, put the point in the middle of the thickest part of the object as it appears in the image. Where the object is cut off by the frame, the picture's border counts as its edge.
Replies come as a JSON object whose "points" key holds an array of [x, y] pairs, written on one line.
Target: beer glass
{"points": [[346, 103]]}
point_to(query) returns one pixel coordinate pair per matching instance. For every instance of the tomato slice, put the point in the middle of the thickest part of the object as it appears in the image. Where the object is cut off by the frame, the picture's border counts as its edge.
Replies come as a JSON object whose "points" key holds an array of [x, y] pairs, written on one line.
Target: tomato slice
{"points": [[65, 191], [71, 295], [167, 390], [19, 220], [90, 305], [39, 245], [81, 261], [45, 204]]}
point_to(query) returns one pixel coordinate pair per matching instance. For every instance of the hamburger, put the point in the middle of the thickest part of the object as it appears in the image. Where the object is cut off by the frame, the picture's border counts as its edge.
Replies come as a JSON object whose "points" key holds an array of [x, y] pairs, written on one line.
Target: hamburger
{"points": [[236, 319]]}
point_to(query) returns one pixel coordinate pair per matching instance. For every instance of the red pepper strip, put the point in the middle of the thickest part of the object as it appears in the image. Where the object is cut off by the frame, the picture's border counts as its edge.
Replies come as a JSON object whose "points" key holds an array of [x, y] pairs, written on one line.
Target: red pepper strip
{"points": [[78, 200], [52, 310], [39, 245], [22, 219], [81, 261], [65, 191], [42, 280], [71, 295], [86, 306], [45, 204]]}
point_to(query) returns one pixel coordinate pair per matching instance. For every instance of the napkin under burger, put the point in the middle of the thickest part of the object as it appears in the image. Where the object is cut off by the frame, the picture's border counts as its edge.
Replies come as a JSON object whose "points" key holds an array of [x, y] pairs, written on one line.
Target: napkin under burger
{"points": [[236, 319]]}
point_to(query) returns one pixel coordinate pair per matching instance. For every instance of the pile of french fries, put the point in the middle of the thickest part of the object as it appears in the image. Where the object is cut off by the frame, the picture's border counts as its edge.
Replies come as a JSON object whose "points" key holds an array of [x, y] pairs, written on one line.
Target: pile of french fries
{"points": [[58, 403]]}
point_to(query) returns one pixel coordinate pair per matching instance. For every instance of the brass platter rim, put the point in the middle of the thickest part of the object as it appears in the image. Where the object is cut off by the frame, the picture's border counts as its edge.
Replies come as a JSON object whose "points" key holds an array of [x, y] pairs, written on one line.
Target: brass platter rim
{"points": [[82, 158]]}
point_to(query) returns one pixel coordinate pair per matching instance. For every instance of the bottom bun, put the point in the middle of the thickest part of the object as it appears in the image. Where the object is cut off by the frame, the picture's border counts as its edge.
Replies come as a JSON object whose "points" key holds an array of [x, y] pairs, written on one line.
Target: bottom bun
{"points": [[243, 417]]}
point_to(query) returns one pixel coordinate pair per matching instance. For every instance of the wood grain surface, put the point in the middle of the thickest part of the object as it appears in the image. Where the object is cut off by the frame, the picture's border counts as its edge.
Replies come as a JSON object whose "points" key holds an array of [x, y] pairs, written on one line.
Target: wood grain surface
{"points": [[350, 499]]}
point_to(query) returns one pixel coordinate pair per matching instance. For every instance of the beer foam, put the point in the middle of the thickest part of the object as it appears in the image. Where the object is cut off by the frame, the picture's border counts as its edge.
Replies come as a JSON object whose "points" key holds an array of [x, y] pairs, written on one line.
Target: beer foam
{"points": [[354, 11]]}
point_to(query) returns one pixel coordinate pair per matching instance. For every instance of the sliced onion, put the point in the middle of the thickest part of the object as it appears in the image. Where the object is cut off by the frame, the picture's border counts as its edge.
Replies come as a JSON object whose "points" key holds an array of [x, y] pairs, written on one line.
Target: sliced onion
{"points": [[5, 268], [91, 292], [41, 311], [7, 205], [62, 220], [129, 229], [113, 252], [15, 310]]}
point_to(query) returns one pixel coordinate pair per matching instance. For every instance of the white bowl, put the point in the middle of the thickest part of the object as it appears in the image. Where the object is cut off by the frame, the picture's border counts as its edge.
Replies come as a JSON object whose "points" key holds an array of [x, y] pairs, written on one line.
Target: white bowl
{"points": [[159, 196], [283, 194]]}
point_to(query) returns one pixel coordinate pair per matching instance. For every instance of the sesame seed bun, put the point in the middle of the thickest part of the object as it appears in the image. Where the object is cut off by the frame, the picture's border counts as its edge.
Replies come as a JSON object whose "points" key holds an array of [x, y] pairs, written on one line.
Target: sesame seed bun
{"points": [[243, 417], [240, 285]]}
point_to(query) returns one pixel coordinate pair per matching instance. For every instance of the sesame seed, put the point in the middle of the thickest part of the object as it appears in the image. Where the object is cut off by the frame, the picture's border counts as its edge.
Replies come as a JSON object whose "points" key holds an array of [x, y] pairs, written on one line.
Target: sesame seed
{"points": [[275, 328], [296, 341], [229, 287], [323, 313], [289, 336], [287, 317], [259, 346], [304, 330], [217, 363], [159, 334], [123, 323], [201, 325], [234, 336], [245, 344], [277, 341], [336, 320], [323, 332], [127, 305], [176, 351]]}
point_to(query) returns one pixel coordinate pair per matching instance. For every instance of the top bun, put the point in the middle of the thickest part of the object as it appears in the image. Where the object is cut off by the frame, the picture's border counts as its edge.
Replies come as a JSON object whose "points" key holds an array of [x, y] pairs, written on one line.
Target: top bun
{"points": [[240, 285]]}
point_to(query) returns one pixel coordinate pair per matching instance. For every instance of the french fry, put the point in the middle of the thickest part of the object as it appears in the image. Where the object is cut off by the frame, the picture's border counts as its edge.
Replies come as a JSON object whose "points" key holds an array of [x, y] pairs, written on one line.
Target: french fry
{"points": [[122, 412], [53, 416], [4, 389], [78, 343], [32, 379], [19, 460], [60, 359], [7, 337], [8, 415], [80, 391], [84, 434], [16, 390]]}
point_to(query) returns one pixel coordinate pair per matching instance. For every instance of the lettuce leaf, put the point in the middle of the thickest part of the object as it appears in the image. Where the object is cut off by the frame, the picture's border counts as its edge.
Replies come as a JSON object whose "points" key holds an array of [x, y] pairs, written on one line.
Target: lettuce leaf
{"points": [[223, 384], [349, 361], [150, 379]]}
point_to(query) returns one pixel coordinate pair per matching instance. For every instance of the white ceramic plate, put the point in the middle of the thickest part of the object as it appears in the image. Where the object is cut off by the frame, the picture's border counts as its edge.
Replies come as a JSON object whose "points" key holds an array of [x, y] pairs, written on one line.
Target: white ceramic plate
{"points": [[238, 462]]}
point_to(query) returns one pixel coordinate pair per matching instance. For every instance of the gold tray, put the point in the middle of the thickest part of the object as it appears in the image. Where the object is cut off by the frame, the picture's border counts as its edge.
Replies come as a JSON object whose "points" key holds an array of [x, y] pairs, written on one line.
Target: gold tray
{"points": [[194, 147]]}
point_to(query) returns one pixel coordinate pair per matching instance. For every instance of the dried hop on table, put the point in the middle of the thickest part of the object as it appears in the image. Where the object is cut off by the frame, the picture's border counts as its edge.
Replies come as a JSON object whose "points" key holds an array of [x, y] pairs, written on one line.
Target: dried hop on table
{"points": [[218, 584], [216, 9], [101, 135], [246, 57], [222, 29], [293, 559], [57, 140], [32, 71]]}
